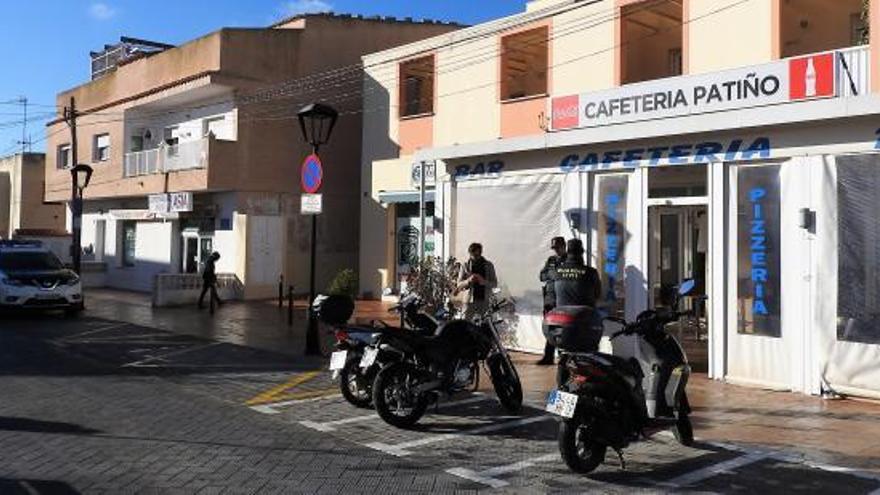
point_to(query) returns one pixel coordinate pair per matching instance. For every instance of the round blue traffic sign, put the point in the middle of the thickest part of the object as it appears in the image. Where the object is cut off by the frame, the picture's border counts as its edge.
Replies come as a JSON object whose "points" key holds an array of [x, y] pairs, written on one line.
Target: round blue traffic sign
{"points": [[312, 174]]}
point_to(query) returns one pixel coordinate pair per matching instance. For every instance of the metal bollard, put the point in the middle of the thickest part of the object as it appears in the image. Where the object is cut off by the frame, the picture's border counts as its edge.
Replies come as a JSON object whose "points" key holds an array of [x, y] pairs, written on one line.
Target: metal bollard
{"points": [[281, 291], [290, 305]]}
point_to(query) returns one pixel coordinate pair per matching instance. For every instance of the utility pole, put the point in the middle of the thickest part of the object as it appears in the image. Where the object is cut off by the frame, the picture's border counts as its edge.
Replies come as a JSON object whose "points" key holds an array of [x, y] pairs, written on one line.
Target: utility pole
{"points": [[25, 142], [70, 116]]}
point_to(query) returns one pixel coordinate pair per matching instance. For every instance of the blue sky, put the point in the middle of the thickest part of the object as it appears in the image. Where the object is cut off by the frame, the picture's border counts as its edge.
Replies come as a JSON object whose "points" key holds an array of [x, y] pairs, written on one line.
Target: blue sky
{"points": [[45, 44]]}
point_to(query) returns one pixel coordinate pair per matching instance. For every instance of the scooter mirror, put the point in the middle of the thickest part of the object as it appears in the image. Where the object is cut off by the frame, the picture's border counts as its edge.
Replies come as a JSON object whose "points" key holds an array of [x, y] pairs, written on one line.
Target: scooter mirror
{"points": [[686, 287]]}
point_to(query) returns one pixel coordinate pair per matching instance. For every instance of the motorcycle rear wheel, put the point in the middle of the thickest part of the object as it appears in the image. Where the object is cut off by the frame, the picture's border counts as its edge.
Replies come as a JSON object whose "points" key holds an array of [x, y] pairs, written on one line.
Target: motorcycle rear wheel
{"points": [[581, 453], [354, 385], [393, 399], [506, 382]]}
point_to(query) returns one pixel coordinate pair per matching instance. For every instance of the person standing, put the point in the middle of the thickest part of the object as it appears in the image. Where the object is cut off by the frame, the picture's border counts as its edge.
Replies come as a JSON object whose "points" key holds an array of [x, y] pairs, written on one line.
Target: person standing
{"points": [[576, 283], [209, 282], [548, 277], [477, 276]]}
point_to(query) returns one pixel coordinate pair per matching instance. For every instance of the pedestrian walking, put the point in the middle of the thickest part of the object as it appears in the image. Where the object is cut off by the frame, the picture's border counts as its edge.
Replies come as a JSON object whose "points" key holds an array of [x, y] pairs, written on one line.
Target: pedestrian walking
{"points": [[209, 282], [548, 277], [477, 276]]}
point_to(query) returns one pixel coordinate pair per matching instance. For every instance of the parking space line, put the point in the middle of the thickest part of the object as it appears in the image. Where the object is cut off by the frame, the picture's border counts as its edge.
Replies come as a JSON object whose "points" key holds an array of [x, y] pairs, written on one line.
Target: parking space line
{"points": [[95, 330], [143, 362], [272, 395], [272, 408], [488, 476], [713, 470], [331, 425], [403, 449]]}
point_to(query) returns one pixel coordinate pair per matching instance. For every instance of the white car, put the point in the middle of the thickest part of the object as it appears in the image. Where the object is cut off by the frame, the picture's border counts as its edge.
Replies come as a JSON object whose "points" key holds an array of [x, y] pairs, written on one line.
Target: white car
{"points": [[32, 277]]}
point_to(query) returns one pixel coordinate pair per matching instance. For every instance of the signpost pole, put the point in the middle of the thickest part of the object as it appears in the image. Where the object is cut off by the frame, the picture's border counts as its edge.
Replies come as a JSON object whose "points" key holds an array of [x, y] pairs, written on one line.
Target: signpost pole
{"points": [[422, 210], [312, 347]]}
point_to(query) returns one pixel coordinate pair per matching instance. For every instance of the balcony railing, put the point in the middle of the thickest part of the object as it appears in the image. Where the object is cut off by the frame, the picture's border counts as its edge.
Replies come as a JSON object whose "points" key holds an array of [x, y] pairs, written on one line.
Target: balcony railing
{"points": [[854, 71], [184, 156]]}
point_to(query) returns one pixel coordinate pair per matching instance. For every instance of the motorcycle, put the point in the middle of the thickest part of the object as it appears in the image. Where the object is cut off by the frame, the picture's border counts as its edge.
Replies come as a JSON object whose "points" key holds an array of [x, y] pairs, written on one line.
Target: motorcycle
{"points": [[421, 368], [356, 359], [609, 401]]}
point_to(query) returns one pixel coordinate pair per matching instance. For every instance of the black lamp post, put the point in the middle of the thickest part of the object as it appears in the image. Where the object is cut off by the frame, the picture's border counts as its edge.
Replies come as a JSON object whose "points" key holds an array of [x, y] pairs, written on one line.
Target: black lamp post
{"points": [[80, 175], [317, 122]]}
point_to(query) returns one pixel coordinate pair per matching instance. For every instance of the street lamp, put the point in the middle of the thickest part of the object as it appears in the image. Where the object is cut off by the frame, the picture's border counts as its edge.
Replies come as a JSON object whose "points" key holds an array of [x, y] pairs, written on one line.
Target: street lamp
{"points": [[317, 122], [80, 175]]}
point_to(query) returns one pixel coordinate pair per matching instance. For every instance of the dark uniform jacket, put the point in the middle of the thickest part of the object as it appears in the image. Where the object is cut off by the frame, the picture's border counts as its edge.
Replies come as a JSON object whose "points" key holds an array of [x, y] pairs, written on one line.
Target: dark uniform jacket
{"points": [[548, 276], [577, 284]]}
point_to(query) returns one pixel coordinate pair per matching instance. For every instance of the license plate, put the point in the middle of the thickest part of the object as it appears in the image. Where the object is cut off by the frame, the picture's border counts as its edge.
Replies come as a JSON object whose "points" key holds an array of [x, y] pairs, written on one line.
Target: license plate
{"points": [[337, 360], [562, 403], [369, 357]]}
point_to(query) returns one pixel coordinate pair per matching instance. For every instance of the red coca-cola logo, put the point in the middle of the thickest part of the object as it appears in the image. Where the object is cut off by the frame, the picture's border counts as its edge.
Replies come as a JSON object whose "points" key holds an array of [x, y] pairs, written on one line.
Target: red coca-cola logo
{"points": [[566, 112], [811, 77]]}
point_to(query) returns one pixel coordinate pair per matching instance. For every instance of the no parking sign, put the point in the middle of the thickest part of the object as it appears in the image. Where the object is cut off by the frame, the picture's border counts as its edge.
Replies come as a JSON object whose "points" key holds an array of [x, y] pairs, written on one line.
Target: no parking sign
{"points": [[312, 174]]}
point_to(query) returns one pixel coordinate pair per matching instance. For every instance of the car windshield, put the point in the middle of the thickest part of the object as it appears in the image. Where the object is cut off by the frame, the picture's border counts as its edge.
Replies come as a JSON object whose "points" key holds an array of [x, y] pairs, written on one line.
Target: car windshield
{"points": [[29, 261]]}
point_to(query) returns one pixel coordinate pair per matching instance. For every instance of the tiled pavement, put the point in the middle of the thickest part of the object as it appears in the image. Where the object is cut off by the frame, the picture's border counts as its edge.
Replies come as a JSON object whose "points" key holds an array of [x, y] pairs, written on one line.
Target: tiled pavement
{"points": [[183, 390]]}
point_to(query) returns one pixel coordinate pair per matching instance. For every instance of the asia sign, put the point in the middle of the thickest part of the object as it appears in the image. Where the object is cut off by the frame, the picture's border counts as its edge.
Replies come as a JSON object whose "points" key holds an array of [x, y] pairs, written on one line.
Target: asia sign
{"points": [[769, 84], [174, 202]]}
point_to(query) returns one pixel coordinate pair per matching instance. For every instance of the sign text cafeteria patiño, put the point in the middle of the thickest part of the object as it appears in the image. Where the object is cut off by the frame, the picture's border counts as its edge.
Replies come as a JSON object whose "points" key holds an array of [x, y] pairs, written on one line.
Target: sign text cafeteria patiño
{"points": [[769, 84]]}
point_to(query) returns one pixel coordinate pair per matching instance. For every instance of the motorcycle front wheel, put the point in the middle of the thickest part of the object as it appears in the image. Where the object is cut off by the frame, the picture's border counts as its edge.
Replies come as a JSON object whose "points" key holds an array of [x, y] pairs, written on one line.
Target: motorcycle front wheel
{"points": [[580, 451], [354, 385], [394, 398], [506, 382]]}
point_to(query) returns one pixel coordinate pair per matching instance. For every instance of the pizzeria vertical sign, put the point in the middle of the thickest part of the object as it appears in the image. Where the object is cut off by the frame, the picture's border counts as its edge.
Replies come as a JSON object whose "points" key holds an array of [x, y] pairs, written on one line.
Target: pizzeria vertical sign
{"points": [[790, 80]]}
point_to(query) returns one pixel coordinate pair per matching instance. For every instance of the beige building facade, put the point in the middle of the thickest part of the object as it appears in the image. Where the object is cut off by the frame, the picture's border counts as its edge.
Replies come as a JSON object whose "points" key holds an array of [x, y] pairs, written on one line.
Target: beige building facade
{"points": [[732, 142], [197, 148], [22, 208]]}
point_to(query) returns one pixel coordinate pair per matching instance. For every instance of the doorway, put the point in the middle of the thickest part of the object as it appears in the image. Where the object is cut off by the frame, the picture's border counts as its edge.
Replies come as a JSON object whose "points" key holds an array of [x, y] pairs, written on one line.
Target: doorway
{"points": [[677, 251], [196, 250]]}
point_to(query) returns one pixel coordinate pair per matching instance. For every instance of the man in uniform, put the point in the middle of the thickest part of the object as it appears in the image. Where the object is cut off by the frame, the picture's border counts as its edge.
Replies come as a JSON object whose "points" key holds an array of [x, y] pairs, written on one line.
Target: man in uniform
{"points": [[548, 277], [576, 283]]}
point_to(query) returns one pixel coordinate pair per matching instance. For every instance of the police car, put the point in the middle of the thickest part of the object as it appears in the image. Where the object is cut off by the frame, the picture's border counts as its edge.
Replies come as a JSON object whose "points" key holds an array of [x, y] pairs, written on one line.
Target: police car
{"points": [[32, 277]]}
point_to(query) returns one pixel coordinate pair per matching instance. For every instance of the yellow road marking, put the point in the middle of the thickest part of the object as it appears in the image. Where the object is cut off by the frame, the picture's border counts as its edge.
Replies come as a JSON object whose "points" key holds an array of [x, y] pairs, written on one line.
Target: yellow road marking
{"points": [[272, 395]]}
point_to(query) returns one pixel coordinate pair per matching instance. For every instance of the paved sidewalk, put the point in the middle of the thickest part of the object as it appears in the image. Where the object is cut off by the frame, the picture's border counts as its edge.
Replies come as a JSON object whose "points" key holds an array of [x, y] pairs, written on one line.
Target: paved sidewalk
{"points": [[841, 433]]}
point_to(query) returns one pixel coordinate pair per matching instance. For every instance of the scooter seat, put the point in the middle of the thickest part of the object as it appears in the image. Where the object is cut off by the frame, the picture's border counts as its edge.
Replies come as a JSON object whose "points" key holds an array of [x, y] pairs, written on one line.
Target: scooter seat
{"points": [[626, 367]]}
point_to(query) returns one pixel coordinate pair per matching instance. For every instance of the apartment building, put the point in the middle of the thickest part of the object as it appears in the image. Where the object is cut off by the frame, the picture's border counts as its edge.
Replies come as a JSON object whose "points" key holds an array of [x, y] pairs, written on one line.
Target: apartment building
{"points": [[730, 141], [197, 148], [22, 209]]}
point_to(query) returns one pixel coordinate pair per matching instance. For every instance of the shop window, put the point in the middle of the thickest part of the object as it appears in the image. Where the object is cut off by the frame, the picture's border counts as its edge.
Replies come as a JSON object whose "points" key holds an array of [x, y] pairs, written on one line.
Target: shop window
{"points": [[101, 148], [758, 251], [673, 182], [858, 247], [611, 237], [64, 159], [129, 242], [524, 64], [417, 87]]}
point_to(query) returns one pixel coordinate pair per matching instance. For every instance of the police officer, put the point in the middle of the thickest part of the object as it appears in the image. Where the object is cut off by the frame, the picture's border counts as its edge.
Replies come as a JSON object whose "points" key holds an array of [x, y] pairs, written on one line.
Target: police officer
{"points": [[548, 277], [576, 283]]}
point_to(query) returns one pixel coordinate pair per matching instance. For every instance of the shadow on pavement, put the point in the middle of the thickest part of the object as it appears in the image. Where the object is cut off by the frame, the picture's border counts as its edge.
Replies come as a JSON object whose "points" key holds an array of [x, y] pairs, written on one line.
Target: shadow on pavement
{"points": [[29, 487], [8, 423]]}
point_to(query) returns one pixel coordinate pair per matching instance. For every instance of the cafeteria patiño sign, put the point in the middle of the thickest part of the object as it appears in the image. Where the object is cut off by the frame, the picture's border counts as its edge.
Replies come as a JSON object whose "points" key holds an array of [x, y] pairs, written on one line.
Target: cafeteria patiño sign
{"points": [[769, 84]]}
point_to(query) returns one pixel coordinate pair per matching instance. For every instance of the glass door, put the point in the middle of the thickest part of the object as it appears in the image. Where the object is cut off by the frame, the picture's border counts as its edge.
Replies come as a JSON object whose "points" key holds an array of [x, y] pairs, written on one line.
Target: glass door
{"points": [[768, 268]]}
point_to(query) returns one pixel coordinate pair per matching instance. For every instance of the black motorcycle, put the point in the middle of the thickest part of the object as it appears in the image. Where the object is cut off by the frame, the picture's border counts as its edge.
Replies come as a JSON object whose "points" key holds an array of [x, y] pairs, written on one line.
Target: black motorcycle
{"points": [[422, 368], [356, 360], [609, 401]]}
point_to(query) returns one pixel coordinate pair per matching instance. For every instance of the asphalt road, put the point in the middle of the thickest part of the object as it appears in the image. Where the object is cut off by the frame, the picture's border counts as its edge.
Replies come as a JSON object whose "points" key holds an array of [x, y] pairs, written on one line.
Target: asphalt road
{"points": [[99, 406]]}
